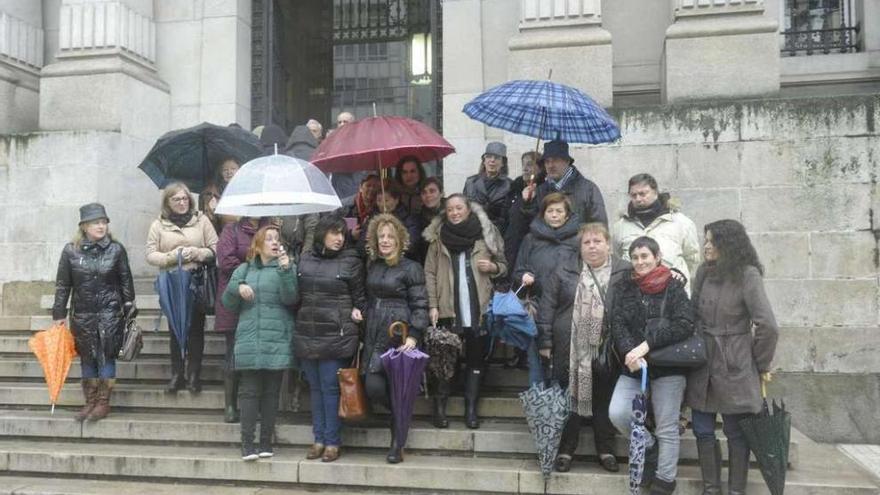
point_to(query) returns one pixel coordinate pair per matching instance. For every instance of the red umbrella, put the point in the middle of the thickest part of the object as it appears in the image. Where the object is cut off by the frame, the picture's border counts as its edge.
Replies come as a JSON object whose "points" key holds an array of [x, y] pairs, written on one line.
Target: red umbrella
{"points": [[379, 142]]}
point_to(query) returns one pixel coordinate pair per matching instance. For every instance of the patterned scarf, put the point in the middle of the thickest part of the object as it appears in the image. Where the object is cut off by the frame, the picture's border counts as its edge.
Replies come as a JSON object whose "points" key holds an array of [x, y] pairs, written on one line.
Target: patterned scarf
{"points": [[559, 184], [586, 332]]}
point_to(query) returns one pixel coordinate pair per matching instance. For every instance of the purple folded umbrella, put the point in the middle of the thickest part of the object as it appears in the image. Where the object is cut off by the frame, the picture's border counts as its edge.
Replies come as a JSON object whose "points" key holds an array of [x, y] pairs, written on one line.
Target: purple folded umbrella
{"points": [[404, 370]]}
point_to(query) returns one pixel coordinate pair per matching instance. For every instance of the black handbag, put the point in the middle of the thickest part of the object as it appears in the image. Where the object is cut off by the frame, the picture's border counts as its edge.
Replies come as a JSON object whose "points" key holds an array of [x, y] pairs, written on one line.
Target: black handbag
{"points": [[688, 353], [204, 286]]}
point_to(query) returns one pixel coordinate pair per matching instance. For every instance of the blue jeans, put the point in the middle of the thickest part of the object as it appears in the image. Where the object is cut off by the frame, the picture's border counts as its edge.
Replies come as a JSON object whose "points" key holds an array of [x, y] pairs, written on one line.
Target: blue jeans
{"points": [[536, 369], [704, 425], [92, 370], [324, 391]]}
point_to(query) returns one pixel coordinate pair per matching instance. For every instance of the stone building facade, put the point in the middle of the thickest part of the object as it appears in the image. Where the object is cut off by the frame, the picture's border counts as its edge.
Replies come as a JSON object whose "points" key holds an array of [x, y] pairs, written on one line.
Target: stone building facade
{"points": [[730, 113]]}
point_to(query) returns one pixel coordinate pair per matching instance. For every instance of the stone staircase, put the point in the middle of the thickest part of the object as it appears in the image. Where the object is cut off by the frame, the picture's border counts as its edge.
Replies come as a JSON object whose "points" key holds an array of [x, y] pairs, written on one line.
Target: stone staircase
{"points": [[156, 443]]}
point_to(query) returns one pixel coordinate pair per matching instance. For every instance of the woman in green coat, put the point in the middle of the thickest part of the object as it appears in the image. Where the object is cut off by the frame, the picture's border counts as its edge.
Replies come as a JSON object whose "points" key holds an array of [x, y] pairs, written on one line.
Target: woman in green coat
{"points": [[261, 291]]}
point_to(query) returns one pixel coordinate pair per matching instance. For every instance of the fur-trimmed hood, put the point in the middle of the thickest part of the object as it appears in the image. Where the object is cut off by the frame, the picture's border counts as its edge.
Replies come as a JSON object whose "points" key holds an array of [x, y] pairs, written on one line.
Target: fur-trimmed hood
{"points": [[491, 235]]}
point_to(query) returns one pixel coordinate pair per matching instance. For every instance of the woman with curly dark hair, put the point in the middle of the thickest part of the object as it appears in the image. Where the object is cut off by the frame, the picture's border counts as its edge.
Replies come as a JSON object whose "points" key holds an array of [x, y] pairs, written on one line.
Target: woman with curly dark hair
{"points": [[736, 320]]}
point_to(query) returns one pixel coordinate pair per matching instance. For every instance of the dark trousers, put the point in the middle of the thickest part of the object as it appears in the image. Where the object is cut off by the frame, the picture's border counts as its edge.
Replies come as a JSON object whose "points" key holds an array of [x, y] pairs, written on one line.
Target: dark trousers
{"points": [[603, 430], [258, 395], [474, 349], [376, 388], [229, 363], [195, 346], [704, 425]]}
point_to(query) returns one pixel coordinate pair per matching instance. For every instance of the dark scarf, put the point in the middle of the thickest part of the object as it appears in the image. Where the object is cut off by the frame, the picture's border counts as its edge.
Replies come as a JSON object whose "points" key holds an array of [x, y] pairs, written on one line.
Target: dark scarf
{"points": [[655, 281], [180, 219], [461, 237], [647, 215]]}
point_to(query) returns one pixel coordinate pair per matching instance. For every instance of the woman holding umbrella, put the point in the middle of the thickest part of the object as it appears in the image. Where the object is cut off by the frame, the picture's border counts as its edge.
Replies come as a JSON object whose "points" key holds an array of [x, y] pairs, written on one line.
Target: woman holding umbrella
{"points": [[95, 268], [730, 301], [181, 229], [464, 256], [395, 292], [651, 310]]}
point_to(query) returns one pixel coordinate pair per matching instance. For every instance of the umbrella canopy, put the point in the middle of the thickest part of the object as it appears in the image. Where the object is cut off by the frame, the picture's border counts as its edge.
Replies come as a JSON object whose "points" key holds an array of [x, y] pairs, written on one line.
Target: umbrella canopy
{"points": [[546, 411], [55, 351], [639, 436], [278, 185], [508, 320], [444, 347], [379, 142], [404, 370], [544, 109], [768, 435], [176, 300], [191, 155]]}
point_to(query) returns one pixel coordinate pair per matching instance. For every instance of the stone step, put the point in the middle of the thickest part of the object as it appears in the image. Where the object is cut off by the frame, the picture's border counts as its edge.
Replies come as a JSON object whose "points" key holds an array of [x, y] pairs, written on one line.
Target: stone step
{"points": [[144, 368], [418, 474], [154, 344], [144, 302], [494, 437], [146, 320]]}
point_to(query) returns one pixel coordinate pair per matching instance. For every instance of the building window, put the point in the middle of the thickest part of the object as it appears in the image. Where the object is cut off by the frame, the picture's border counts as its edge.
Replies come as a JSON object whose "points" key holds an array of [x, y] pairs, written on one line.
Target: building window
{"points": [[819, 27]]}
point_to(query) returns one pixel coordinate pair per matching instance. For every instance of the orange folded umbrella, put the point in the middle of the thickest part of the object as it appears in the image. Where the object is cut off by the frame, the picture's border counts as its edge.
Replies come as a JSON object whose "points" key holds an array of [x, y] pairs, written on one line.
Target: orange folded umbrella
{"points": [[55, 351]]}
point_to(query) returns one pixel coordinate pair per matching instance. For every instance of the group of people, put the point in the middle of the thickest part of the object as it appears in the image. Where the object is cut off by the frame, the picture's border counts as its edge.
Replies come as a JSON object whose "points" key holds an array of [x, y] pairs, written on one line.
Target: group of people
{"points": [[320, 292]]}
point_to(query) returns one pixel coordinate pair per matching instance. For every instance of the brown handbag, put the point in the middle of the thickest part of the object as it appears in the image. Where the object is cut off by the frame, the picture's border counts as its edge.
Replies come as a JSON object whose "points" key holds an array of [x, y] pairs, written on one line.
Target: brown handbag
{"points": [[352, 398]]}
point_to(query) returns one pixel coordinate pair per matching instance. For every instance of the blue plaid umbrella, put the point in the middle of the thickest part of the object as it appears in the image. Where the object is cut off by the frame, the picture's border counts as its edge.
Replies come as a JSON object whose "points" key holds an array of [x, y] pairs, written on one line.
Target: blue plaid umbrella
{"points": [[544, 109]]}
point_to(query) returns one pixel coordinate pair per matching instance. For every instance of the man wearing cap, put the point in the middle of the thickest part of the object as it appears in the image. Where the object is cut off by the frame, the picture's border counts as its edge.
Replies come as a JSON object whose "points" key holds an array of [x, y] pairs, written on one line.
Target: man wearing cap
{"points": [[491, 186]]}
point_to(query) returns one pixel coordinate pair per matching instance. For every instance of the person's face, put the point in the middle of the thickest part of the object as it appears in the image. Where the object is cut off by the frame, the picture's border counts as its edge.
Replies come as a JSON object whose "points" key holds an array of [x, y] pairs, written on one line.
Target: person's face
{"points": [[228, 170], [529, 167], [316, 131], [410, 174], [555, 215], [457, 210], [431, 196], [710, 252], [271, 244], [179, 203], [386, 202], [556, 167], [344, 118], [594, 249], [643, 260], [387, 241], [642, 195], [492, 164], [334, 239], [96, 229], [369, 188]]}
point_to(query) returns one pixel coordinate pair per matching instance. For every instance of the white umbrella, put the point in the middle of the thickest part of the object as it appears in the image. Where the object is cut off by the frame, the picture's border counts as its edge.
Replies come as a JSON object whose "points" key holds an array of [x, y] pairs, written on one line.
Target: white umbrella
{"points": [[278, 185]]}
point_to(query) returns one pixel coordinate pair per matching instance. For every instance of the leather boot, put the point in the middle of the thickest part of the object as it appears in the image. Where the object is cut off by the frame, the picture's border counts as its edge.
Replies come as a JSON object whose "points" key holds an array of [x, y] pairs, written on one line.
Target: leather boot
{"points": [[661, 487], [709, 453], [102, 403], [230, 388], [395, 453], [193, 372], [471, 396], [737, 466], [441, 397], [90, 393]]}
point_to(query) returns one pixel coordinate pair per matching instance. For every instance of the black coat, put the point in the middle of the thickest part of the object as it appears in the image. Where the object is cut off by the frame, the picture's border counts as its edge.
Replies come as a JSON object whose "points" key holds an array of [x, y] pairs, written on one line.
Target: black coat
{"points": [[100, 278], [493, 195], [542, 250], [557, 302], [632, 309], [330, 286], [586, 200], [394, 293]]}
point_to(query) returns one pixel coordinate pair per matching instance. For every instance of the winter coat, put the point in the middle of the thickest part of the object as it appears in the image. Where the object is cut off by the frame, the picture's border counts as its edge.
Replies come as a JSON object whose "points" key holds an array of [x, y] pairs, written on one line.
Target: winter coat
{"points": [[232, 250], [298, 233], [557, 302], [542, 249], [632, 309], [164, 239], [674, 232], [394, 293], [100, 279], [738, 325], [586, 200], [439, 273], [302, 143], [331, 284], [493, 194], [265, 325], [411, 199]]}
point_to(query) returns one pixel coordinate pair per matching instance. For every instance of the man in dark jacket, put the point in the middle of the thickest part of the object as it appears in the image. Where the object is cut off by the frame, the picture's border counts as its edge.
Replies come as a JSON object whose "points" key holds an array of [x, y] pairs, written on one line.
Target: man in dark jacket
{"points": [[491, 186]]}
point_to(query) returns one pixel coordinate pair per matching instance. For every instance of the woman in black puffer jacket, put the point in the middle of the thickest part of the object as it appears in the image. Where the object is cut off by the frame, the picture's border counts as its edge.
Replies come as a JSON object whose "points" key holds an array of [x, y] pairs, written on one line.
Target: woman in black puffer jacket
{"points": [[331, 281]]}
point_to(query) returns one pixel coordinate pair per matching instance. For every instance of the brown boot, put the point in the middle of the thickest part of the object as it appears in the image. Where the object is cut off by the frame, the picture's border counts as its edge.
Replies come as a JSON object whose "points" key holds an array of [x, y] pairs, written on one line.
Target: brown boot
{"points": [[90, 392], [102, 405]]}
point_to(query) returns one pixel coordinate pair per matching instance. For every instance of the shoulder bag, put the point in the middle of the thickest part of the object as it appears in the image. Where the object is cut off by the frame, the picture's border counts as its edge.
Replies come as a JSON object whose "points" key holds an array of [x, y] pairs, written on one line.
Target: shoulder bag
{"points": [[352, 398], [689, 353]]}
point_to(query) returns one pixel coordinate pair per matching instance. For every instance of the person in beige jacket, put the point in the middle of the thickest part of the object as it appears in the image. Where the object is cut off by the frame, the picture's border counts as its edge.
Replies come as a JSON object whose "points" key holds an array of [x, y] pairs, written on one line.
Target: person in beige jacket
{"points": [[465, 254], [654, 215], [182, 228]]}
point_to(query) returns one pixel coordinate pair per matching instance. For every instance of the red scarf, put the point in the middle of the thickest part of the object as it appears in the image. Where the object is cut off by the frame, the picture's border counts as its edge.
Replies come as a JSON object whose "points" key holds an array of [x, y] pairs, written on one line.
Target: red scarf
{"points": [[363, 211], [655, 281]]}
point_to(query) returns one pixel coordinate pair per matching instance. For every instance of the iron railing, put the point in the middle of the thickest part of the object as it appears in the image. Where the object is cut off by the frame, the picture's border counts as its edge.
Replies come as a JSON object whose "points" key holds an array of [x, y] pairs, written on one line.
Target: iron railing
{"points": [[356, 21], [820, 26]]}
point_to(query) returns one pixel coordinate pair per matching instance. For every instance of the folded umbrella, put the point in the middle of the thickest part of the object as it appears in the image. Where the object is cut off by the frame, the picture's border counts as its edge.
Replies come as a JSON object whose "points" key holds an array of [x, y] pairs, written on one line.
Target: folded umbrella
{"points": [[176, 300], [768, 435], [639, 436], [445, 348], [55, 350], [404, 370], [545, 407], [508, 320]]}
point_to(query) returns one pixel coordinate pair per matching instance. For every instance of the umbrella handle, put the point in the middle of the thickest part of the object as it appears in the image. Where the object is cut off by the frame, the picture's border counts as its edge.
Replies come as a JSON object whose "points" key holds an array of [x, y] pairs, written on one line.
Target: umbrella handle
{"points": [[644, 378]]}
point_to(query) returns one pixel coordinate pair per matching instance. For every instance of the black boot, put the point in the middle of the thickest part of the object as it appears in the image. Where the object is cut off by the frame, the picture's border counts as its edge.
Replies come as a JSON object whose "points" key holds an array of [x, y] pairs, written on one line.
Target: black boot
{"points": [[176, 383], [441, 397], [193, 373], [395, 453], [230, 387], [661, 487], [737, 466], [652, 457], [709, 453], [471, 396]]}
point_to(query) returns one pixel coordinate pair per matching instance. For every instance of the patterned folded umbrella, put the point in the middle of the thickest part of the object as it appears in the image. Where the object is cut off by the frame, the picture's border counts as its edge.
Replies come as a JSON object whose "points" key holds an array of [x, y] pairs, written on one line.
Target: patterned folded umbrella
{"points": [[639, 436], [444, 347], [546, 410]]}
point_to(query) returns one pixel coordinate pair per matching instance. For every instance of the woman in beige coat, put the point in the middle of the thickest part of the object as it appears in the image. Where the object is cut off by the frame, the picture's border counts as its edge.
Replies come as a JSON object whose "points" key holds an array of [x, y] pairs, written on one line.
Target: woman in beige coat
{"points": [[466, 253], [736, 320], [181, 228]]}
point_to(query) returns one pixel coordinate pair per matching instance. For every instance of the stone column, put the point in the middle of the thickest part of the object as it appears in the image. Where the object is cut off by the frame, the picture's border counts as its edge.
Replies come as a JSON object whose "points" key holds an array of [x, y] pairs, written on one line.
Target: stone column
{"points": [[104, 75], [720, 49], [567, 37], [21, 57]]}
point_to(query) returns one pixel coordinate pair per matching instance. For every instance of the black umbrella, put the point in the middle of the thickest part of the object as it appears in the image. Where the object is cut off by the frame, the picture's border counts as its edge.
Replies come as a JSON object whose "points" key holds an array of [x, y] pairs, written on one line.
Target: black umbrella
{"points": [[191, 155], [768, 435]]}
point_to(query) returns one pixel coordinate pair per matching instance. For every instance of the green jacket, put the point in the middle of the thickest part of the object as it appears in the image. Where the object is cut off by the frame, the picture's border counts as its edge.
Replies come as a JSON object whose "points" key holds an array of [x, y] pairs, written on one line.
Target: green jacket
{"points": [[263, 338]]}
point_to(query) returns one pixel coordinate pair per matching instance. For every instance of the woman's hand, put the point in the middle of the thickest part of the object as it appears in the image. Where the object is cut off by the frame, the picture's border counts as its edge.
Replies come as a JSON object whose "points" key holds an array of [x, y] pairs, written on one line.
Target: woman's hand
{"points": [[409, 345], [188, 253], [434, 316], [283, 259], [62, 321], [246, 292], [637, 365], [356, 315], [676, 275], [486, 266], [528, 279], [528, 192], [635, 355], [545, 353]]}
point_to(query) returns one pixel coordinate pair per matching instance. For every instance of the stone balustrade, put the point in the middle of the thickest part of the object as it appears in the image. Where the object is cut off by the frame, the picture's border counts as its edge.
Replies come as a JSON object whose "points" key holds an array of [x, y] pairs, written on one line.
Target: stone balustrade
{"points": [[20, 42], [712, 7], [543, 13], [88, 26]]}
